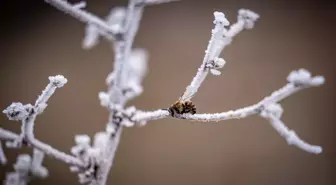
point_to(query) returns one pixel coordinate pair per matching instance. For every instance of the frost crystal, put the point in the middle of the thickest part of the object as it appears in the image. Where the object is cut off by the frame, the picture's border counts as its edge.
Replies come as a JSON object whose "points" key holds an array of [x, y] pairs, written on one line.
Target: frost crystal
{"points": [[58, 80], [303, 77], [248, 17], [220, 19], [17, 111]]}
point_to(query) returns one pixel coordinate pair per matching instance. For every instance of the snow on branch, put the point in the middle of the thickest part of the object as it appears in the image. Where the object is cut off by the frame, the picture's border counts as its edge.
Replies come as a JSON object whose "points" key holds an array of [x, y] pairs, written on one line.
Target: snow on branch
{"points": [[245, 20], [297, 80], [220, 38], [273, 113], [10, 137], [27, 115], [93, 161], [3, 159], [26, 168], [7, 135], [115, 20], [267, 108], [84, 16], [154, 2]]}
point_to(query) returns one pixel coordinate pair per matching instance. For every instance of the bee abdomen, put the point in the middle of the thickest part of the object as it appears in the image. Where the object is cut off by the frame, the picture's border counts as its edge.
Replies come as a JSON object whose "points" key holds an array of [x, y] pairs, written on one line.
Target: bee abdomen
{"points": [[189, 107]]}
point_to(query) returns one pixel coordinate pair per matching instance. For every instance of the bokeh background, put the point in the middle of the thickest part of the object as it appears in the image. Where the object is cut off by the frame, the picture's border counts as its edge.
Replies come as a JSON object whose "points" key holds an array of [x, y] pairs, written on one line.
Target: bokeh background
{"points": [[38, 41]]}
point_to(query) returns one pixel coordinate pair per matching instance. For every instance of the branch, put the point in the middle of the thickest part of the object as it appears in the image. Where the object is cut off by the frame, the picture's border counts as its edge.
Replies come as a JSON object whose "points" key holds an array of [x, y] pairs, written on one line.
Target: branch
{"points": [[154, 2], [84, 16], [221, 37], [115, 92], [141, 117], [27, 115], [298, 80], [273, 113], [27, 167], [3, 159], [267, 108], [8, 135], [124, 82]]}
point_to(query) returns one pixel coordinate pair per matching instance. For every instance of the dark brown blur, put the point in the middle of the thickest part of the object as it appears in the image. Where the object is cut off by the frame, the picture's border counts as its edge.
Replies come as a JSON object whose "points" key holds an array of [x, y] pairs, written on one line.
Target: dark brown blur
{"points": [[38, 41]]}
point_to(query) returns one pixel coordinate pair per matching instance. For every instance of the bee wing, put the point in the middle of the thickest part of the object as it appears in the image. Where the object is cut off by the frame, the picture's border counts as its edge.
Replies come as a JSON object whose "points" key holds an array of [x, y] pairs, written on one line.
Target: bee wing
{"points": [[187, 95]]}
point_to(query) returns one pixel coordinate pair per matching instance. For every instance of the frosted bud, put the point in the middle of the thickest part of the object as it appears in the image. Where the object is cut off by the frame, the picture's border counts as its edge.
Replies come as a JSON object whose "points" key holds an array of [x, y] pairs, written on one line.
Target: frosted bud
{"points": [[104, 99], [303, 77], [275, 109], [116, 15], [38, 157], [215, 64], [74, 169], [100, 140], [110, 78], [248, 17], [91, 38], [215, 72], [220, 19], [245, 13], [137, 64], [141, 123], [116, 18], [82, 139], [11, 144], [12, 178], [110, 128], [127, 123], [17, 111], [317, 80], [40, 172], [84, 179], [220, 62], [23, 163], [58, 80], [132, 89], [130, 110]]}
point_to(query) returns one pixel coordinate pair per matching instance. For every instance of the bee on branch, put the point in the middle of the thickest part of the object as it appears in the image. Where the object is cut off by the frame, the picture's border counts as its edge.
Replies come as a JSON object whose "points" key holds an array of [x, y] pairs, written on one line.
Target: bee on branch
{"points": [[183, 105]]}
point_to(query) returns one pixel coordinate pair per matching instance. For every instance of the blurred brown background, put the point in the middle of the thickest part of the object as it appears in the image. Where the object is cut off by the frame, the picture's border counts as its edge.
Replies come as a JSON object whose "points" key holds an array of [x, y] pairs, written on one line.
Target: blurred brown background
{"points": [[38, 41]]}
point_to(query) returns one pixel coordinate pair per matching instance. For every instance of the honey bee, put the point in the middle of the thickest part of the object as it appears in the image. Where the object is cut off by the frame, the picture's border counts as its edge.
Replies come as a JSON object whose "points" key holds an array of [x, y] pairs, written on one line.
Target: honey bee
{"points": [[183, 105]]}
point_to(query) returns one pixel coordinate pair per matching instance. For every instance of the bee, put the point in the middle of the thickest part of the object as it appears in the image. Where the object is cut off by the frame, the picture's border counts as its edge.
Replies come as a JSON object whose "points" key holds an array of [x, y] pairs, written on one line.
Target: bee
{"points": [[183, 105]]}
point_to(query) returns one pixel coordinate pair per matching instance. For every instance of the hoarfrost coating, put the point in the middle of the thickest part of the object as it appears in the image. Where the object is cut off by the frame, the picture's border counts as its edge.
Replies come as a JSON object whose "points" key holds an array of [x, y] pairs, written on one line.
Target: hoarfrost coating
{"points": [[92, 161]]}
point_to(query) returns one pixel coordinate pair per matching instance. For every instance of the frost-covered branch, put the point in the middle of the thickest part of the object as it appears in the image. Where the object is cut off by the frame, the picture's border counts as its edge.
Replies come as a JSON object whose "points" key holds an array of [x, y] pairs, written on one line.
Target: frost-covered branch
{"points": [[3, 159], [298, 80], [7, 136], [273, 113], [27, 115], [26, 168], [220, 38], [84, 16], [93, 161], [154, 2], [116, 89], [267, 108]]}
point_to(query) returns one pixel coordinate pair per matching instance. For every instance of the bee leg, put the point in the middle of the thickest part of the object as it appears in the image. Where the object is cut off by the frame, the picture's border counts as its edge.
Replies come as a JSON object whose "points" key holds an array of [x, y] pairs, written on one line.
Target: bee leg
{"points": [[171, 112]]}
